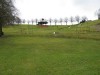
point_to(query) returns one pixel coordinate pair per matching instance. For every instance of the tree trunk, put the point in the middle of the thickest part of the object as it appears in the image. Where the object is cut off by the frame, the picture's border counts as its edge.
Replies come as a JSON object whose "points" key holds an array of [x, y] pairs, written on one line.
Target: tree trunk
{"points": [[66, 23], [50, 23], [55, 23], [1, 32], [98, 17], [61, 23]]}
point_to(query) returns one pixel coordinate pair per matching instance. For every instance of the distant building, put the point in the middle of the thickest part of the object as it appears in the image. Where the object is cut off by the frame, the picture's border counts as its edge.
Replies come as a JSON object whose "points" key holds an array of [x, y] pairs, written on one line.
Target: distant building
{"points": [[42, 22]]}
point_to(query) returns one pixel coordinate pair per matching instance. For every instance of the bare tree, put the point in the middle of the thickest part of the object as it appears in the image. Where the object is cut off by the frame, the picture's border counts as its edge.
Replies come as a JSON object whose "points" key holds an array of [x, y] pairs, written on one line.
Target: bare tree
{"points": [[98, 13], [71, 20], [77, 18], [23, 21], [32, 21], [36, 21], [55, 21], [84, 18], [50, 20], [17, 20], [28, 22], [66, 20], [61, 20]]}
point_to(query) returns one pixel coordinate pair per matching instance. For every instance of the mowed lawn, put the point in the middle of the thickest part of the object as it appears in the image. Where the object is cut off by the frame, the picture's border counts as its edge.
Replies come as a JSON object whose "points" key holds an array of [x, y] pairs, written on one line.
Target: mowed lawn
{"points": [[22, 54]]}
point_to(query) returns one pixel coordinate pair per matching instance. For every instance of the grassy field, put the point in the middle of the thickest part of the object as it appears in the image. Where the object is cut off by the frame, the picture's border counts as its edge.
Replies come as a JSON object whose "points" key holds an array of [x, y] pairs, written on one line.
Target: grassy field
{"points": [[33, 50]]}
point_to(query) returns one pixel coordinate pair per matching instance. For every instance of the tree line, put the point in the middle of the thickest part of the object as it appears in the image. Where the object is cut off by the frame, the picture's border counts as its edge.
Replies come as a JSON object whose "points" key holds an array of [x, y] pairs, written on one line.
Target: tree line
{"points": [[65, 20]]}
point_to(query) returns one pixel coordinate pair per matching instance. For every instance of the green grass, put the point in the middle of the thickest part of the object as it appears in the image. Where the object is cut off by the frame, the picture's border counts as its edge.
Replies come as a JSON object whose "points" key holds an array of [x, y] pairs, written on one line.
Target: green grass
{"points": [[88, 30], [32, 50]]}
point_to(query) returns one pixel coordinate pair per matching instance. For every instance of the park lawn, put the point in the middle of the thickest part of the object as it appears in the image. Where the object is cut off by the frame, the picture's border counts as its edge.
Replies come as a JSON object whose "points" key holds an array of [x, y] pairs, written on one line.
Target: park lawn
{"points": [[49, 56], [36, 51]]}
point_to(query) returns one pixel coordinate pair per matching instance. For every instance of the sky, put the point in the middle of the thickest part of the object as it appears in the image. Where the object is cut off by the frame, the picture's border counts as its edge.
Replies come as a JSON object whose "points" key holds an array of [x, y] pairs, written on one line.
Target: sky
{"points": [[32, 9]]}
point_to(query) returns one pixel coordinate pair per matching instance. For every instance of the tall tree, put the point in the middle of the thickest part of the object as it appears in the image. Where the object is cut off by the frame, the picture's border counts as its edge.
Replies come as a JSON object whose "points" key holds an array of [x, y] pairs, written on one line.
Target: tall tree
{"points": [[84, 18], [66, 20], [7, 13], [71, 20], [55, 21], [18, 20], [50, 21], [23, 21], [28, 22], [61, 20], [98, 13], [36, 21], [32, 21], [77, 18]]}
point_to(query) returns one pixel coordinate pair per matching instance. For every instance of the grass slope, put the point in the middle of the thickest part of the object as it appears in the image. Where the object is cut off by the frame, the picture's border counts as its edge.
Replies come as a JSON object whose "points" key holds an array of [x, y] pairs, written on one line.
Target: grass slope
{"points": [[88, 30], [31, 50]]}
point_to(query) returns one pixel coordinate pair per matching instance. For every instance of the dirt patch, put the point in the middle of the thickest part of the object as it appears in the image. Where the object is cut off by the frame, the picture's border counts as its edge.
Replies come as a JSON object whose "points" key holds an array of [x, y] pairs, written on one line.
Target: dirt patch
{"points": [[96, 27]]}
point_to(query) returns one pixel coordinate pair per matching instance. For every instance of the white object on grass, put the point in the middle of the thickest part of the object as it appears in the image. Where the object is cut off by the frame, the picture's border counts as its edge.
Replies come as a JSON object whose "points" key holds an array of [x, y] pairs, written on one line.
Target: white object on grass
{"points": [[54, 33]]}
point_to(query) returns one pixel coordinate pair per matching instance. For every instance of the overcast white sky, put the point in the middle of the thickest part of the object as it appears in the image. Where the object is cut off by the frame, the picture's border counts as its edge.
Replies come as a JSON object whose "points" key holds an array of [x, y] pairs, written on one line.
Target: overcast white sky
{"points": [[31, 9]]}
